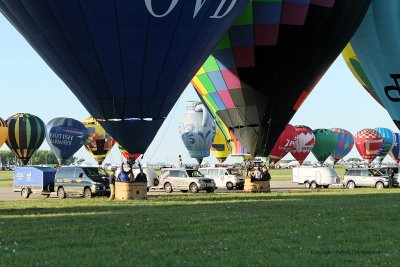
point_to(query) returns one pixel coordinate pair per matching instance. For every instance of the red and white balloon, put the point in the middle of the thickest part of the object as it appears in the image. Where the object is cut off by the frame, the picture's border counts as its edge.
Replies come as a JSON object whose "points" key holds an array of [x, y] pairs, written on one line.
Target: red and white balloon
{"points": [[368, 142], [284, 144]]}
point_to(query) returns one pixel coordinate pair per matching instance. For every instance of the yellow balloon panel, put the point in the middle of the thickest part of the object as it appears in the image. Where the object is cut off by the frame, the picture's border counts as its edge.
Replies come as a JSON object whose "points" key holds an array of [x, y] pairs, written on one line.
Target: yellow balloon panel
{"points": [[220, 148], [3, 132]]}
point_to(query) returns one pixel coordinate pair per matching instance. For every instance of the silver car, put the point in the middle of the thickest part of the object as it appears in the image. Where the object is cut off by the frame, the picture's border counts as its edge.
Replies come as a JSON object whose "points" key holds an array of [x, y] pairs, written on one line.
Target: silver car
{"points": [[365, 177], [185, 180]]}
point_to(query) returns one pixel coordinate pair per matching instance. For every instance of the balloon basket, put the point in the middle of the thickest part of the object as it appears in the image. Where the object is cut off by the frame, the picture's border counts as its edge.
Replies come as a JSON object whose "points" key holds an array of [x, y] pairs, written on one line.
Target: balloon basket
{"points": [[256, 186], [130, 190]]}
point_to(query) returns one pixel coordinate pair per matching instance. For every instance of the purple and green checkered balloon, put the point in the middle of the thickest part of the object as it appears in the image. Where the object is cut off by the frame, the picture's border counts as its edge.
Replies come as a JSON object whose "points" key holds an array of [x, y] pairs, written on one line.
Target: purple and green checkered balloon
{"points": [[344, 145]]}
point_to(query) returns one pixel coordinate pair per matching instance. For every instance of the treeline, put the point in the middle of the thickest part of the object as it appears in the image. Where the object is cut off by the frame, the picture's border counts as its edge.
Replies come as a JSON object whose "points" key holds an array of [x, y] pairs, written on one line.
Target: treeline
{"points": [[40, 157]]}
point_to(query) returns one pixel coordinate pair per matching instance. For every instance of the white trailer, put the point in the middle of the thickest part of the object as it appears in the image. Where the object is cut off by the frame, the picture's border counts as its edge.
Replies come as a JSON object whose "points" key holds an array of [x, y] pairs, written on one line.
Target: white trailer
{"points": [[315, 176]]}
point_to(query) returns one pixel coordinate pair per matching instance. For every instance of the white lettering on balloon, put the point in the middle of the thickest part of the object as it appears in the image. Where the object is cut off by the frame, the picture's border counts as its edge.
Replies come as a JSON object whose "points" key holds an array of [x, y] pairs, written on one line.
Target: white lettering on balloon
{"points": [[61, 139], [197, 8]]}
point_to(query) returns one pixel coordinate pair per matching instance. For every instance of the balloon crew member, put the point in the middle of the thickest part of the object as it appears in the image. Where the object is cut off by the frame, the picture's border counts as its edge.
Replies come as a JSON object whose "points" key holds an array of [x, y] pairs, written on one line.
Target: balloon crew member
{"points": [[112, 179], [266, 176], [141, 176], [391, 177]]}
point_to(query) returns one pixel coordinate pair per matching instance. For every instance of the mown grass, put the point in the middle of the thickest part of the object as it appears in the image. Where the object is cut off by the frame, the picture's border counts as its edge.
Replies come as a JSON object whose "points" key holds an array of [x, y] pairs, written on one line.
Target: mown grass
{"points": [[6, 178], [310, 228]]}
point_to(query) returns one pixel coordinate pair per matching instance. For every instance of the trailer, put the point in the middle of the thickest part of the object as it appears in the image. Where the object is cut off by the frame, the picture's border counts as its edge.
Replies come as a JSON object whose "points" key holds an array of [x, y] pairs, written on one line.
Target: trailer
{"points": [[315, 176], [34, 180]]}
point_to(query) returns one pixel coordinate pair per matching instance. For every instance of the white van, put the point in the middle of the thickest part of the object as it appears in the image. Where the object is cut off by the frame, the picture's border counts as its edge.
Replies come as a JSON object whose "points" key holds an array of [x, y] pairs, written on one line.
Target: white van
{"points": [[224, 177], [315, 176]]}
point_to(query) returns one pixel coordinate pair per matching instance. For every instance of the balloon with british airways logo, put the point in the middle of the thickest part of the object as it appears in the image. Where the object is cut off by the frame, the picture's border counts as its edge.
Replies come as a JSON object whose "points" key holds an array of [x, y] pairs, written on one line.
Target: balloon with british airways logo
{"points": [[127, 61], [286, 142], [65, 136]]}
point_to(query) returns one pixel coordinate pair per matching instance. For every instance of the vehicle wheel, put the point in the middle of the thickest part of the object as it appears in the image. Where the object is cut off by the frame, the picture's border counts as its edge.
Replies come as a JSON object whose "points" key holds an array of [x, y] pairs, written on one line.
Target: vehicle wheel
{"points": [[314, 185], [193, 188], [229, 185], [25, 193], [47, 196], [379, 185], [326, 186], [61, 193], [156, 182], [351, 185], [307, 185], [87, 193], [168, 188], [210, 190]]}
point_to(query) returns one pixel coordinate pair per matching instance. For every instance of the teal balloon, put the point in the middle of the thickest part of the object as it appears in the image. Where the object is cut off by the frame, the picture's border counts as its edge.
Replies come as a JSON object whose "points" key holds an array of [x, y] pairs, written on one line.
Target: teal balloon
{"points": [[325, 144]]}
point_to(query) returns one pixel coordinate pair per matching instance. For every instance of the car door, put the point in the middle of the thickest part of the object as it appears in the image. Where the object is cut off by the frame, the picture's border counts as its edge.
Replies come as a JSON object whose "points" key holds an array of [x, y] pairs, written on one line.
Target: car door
{"points": [[183, 181], [67, 180], [366, 178]]}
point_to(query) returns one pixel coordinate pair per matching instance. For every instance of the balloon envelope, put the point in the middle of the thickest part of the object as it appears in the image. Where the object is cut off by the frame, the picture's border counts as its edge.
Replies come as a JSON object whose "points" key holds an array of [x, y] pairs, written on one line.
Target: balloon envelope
{"points": [[98, 142], [65, 136], [219, 147], [387, 144], [325, 143], [126, 61], [26, 134], [345, 142], [304, 143], [368, 142], [395, 151], [256, 78], [3, 132], [285, 143], [126, 154]]}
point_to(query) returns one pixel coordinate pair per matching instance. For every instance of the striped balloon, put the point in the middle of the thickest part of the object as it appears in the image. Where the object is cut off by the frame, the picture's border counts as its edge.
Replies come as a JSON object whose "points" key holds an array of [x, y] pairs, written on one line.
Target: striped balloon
{"points": [[388, 142], [394, 153], [26, 133], [344, 145], [3, 132]]}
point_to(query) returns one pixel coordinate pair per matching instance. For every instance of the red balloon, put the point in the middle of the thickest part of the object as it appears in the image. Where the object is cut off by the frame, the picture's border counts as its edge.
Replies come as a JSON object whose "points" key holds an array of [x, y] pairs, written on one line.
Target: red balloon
{"points": [[304, 143], [285, 143], [368, 142]]}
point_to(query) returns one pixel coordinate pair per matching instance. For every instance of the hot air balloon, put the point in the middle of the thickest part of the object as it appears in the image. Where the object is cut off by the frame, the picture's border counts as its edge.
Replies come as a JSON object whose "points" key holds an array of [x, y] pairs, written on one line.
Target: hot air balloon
{"points": [[325, 143], [126, 61], [219, 147], [98, 142], [368, 142], [197, 130], [305, 141], [26, 134], [395, 152], [345, 142], [256, 78], [387, 144], [3, 132], [65, 136], [126, 154], [286, 142], [376, 44]]}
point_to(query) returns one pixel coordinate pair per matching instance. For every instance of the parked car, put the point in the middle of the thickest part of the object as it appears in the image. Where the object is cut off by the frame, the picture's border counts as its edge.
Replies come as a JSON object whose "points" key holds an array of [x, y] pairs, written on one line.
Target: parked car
{"points": [[224, 177], [86, 181], [313, 176], [185, 180], [366, 177]]}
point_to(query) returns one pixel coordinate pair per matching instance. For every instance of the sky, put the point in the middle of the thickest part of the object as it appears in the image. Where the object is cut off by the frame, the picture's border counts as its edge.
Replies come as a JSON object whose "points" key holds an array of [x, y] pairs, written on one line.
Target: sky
{"points": [[28, 85]]}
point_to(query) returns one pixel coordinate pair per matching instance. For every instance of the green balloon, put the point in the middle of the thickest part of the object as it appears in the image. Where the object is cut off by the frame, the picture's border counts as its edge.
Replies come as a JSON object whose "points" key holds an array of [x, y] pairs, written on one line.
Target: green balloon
{"points": [[325, 143]]}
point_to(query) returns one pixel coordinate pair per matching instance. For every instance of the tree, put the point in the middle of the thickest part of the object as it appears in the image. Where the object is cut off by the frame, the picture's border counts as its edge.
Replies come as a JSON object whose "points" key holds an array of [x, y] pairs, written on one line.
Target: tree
{"points": [[40, 157], [354, 159]]}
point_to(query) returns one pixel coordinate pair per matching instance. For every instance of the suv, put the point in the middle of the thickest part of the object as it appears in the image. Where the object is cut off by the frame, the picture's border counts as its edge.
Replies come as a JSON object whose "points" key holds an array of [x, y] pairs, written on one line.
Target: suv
{"points": [[184, 180], [86, 181], [365, 177], [228, 178], [395, 170]]}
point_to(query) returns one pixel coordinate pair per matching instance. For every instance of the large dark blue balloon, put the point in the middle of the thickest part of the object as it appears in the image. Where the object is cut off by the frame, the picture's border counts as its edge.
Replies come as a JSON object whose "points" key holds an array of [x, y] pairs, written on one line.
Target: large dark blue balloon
{"points": [[65, 136], [127, 61]]}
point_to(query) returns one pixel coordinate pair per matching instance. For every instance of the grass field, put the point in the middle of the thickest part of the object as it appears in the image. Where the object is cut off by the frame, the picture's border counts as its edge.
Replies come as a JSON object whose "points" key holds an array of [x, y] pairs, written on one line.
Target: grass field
{"points": [[312, 228], [6, 178]]}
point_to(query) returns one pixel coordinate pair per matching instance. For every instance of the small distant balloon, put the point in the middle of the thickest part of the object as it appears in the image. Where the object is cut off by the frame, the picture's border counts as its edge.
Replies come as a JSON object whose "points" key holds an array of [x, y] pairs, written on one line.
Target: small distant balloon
{"points": [[219, 147], [325, 143], [345, 142], [304, 143], [368, 142], [387, 144], [394, 153]]}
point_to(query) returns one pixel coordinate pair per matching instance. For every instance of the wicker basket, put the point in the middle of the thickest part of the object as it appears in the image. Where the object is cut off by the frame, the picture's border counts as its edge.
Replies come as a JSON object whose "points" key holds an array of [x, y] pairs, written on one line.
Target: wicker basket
{"points": [[130, 190]]}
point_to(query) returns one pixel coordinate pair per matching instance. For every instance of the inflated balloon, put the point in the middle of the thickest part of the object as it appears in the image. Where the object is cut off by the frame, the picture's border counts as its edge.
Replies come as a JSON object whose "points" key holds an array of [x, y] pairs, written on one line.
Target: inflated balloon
{"points": [[387, 144], [3, 132], [126, 61], [285, 143], [304, 143], [368, 142], [98, 142], [126, 154], [219, 147], [345, 142], [376, 44], [65, 136], [325, 143], [257, 78], [197, 130], [26, 134], [395, 152], [354, 65]]}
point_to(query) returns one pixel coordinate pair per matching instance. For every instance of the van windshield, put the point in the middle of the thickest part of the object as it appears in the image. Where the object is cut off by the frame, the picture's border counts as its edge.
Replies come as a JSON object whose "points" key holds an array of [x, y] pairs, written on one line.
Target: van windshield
{"points": [[94, 172], [233, 171]]}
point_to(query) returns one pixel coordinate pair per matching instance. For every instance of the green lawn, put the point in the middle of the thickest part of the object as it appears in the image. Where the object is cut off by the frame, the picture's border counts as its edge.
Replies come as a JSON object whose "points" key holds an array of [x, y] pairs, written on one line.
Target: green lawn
{"points": [[311, 228], [6, 178]]}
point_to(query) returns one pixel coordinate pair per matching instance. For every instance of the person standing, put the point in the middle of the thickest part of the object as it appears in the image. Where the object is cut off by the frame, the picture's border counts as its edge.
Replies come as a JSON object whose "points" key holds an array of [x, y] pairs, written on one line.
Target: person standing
{"points": [[112, 179], [141, 176]]}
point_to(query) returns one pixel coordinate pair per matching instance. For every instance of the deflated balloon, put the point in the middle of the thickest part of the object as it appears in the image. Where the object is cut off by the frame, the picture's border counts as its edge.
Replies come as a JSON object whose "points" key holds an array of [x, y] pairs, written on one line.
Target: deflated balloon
{"points": [[325, 143], [257, 77], [98, 142], [26, 134], [127, 61], [387, 142], [197, 130], [219, 147], [3, 132], [368, 142], [286, 142], [305, 141], [345, 142], [65, 136], [394, 153]]}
